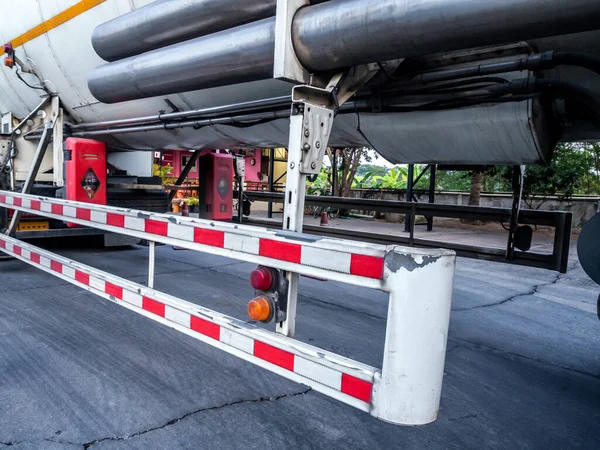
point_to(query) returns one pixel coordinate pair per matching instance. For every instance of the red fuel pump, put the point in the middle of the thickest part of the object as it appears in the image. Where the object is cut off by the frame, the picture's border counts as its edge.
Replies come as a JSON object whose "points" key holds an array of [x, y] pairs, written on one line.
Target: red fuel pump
{"points": [[215, 190], [85, 171]]}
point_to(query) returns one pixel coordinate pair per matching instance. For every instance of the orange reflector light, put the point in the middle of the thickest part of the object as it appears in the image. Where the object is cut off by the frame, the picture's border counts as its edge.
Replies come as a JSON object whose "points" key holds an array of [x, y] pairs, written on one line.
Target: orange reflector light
{"points": [[260, 309], [9, 62]]}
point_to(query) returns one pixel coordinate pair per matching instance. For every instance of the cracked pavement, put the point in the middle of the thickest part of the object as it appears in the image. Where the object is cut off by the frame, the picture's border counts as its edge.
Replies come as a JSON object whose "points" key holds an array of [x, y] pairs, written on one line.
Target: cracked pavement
{"points": [[522, 367]]}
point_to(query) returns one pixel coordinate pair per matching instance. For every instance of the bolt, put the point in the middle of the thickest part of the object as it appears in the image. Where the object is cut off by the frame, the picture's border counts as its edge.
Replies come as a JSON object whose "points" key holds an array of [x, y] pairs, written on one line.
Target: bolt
{"points": [[306, 133], [313, 165], [318, 144], [306, 147], [292, 165]]}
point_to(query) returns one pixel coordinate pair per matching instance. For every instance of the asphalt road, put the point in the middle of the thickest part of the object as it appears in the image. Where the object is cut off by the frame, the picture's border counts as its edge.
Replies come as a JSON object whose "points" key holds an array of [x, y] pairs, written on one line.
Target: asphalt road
{"points": [[522, 369]]}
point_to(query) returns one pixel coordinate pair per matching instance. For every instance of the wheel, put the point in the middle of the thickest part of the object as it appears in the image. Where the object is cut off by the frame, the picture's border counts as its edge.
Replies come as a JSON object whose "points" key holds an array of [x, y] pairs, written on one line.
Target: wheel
{"points": [[588, 248]]}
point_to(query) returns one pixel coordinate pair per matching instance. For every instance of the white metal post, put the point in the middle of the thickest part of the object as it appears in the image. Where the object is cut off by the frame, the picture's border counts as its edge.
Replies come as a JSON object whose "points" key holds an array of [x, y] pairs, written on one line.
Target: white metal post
{"points": [[311, 121], [293, 216], [151, 262], [420, 283]]}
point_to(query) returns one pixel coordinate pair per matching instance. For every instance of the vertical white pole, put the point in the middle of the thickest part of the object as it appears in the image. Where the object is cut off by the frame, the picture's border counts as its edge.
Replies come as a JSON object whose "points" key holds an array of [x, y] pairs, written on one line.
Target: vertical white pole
{"points": [[420, 284], [293, 215], [151, 260]]}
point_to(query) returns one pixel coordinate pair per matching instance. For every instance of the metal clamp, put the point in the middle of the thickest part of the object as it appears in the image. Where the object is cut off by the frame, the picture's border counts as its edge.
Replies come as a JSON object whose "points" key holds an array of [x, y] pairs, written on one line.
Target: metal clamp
{"points": [[317, 108], [286, 65]]}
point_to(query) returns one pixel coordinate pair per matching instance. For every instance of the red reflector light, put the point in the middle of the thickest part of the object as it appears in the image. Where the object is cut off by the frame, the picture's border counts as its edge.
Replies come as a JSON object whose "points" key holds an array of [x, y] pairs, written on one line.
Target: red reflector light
{"points": [[262, 278], [8, 48]]}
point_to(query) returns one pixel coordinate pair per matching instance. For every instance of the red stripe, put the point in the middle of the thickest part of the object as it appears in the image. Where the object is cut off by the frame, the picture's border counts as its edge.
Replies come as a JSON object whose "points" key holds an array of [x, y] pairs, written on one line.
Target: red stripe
{"points": [[367, 266], [356, 388], [205, 327], [2, 244], [113, 290], [283, 251], [2, 198], [56, 266], [153, 306], [209, 237], [16, 250], [83, 214], [155, 227], [115, 220], [57, 209], [35, 258], [35, 204], [83, 278], [274, 355], [17, 202]]}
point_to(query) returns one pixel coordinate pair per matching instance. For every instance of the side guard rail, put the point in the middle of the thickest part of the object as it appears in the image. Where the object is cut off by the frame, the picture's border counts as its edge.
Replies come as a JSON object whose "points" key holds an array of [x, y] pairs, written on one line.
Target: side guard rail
{"points": [[406, 390]]}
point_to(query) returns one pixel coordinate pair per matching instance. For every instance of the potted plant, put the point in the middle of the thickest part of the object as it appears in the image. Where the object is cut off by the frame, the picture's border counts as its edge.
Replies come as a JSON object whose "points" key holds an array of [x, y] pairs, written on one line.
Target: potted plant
{"points": [[193, 204]]}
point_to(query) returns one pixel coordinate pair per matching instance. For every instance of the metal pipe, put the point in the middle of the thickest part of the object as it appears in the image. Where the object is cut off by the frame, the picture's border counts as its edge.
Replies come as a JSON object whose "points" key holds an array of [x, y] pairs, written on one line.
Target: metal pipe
{"points": [[235, 108], [271, 115], [233, 56], [344, 33], [338, 34], [271, 176], [167, 22]]}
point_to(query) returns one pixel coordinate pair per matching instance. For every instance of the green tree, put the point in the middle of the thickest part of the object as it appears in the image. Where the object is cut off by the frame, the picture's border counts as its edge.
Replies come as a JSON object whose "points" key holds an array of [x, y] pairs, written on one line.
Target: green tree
{"points": [[347, 164], [395, 179], [573, 170], [372, 169]]}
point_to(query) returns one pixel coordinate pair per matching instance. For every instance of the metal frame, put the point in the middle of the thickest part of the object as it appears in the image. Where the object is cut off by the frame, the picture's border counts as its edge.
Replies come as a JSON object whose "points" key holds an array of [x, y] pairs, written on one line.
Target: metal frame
{"points": [[560, 221], [405, 391], [311, 121], [410, 196]]}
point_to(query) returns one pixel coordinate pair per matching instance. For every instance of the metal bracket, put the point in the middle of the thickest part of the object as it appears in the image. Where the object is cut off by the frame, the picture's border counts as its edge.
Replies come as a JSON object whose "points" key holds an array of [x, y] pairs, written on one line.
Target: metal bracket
{"points": [[311, 120], [286, 65], [517, 182], [317, 108]]}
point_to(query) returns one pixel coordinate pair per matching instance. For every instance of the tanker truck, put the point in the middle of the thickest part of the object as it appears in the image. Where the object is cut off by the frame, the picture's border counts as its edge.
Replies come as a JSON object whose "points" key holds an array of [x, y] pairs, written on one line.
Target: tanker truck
{"points": [[91, 89]]}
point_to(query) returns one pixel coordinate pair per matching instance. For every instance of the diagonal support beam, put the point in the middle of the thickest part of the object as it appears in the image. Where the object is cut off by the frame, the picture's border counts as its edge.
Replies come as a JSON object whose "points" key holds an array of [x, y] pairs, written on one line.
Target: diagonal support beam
{"points": [[33, 171], [186, 170]]}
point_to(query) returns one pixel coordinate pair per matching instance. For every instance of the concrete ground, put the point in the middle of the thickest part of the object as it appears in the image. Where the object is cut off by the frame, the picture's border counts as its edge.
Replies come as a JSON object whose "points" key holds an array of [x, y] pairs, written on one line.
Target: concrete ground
{"points": [[522, 368]]}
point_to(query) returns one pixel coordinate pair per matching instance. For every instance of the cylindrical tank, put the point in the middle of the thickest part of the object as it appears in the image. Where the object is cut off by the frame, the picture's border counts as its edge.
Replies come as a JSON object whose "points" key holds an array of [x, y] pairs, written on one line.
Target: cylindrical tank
{"points": [[166, 22], [64, 56], [339, 34]]}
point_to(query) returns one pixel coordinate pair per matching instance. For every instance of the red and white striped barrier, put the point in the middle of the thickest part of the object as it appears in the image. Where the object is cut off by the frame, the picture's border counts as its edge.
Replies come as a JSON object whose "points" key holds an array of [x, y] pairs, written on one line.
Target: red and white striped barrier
{"points": [[334, 259], [406, 390], [349, 381]]}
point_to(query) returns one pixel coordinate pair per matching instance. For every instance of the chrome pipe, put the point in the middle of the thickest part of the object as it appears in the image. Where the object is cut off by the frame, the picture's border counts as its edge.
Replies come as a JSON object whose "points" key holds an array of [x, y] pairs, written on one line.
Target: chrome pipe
{"points": [[167, 22], [233, 56], [345, 33], [338, 34], [244, 118], [234, 108]]}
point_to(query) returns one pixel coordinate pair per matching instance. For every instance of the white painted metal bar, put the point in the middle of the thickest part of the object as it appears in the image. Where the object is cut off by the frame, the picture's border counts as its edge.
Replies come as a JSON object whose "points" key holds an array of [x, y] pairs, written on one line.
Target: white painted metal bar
{"points": [[406, 391], [336, 376], [151, 263], [333, 259], [293, 216]]}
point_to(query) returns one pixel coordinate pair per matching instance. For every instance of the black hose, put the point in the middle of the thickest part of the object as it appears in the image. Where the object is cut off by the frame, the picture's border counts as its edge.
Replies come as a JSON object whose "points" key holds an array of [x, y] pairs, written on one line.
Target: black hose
{"points": [[586, 60], [538, 61], [585, 96]]}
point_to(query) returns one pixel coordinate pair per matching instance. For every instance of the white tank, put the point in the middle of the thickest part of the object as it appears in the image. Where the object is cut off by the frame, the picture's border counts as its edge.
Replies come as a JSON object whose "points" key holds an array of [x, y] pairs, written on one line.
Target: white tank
{"points": [[64, 56]]}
